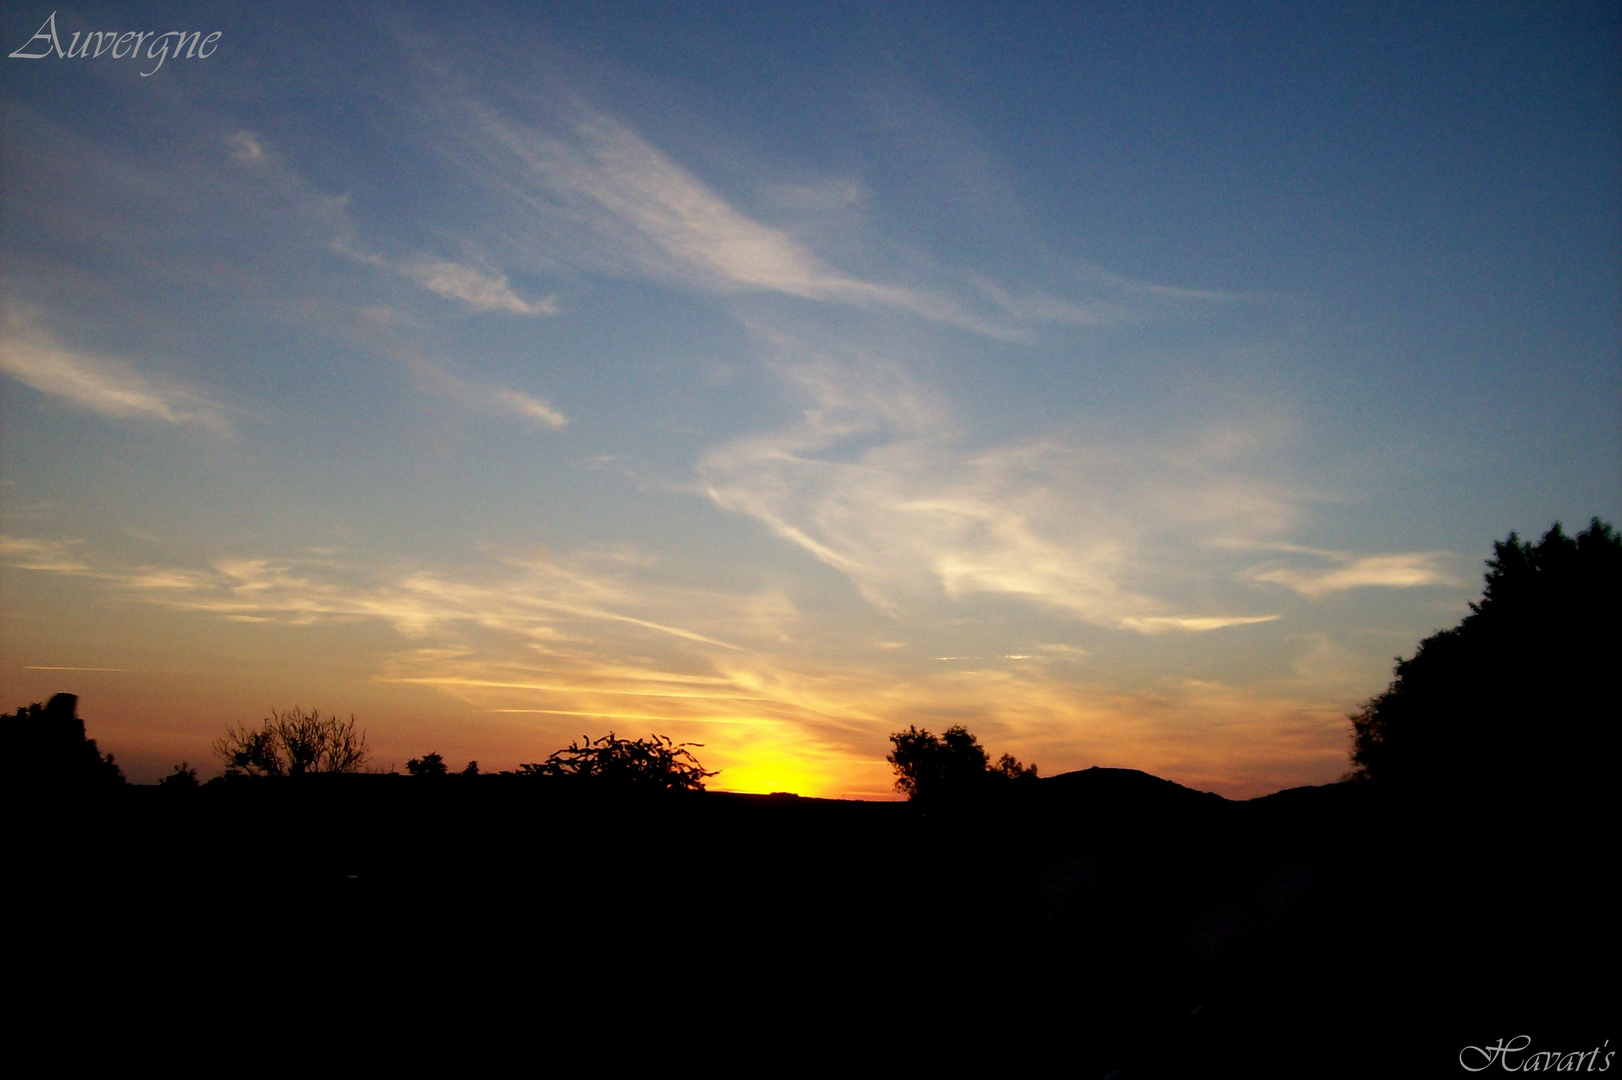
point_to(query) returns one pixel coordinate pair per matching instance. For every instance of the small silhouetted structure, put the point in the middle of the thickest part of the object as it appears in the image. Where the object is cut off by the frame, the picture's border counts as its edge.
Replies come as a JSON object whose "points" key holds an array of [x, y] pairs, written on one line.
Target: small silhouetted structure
{"points": [[44, 747]]}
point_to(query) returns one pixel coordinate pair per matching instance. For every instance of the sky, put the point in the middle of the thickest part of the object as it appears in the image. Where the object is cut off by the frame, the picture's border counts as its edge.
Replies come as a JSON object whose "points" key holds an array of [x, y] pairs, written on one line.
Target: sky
{"points": [[1130, 384]]}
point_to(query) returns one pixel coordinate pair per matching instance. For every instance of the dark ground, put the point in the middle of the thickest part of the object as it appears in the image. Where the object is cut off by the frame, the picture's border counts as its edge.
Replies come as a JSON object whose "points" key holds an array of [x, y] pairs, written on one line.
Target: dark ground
{"points": [[1098, 922]]}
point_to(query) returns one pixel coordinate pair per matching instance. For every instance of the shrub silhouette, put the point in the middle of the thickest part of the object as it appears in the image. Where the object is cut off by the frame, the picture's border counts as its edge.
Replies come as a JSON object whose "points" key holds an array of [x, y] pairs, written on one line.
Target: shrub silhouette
{"points": [[951, 765], [293, 743], [44, 746], [427, 765], [1008, 767], [654, 763], [1520, 692], [183, 778]]}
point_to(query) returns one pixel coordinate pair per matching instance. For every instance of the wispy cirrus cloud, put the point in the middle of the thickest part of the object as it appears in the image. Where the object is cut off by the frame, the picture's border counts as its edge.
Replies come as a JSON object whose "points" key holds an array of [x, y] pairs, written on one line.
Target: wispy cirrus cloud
{"points": [[666, 222], [595, 192], [1406, 570], [480, 288], [874, 480], [474, 284], [567, 186], [111, 386], [533, 598], [484, 397], [1191, 623], [55, 556]]}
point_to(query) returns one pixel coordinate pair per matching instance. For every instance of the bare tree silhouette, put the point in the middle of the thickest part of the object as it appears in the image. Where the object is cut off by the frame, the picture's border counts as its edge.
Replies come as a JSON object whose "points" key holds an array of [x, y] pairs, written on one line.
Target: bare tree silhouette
{"points": [[652, 763], [293, 743]]}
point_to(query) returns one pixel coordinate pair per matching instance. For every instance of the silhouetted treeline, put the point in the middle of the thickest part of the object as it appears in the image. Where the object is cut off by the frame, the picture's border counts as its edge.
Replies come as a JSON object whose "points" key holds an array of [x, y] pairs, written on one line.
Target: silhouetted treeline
{"points": [[43, 748]]}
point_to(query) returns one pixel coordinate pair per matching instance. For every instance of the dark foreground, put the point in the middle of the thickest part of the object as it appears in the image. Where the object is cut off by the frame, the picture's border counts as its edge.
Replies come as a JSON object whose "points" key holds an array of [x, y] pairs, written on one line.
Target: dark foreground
{"points": [[1099, 922]]}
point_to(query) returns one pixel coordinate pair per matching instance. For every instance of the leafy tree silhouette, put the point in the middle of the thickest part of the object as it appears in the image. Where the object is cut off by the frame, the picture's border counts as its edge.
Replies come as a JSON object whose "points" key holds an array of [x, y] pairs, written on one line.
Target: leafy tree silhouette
{"points": [[44, 746], [654, 763], [1008, 767], [427, 765], [184, 778], [1521, 693], [952, 765], [293, 743]]}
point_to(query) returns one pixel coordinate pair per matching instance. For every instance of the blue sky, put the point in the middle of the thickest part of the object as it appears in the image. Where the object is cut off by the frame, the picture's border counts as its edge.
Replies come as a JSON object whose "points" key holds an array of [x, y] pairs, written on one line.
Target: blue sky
{"points": [[1129, 385]]}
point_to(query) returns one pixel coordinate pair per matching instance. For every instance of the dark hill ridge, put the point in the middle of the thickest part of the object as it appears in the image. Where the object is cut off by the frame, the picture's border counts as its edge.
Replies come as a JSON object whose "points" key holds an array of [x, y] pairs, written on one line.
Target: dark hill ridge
{"points": [[1120, 791], [1129, 815]]}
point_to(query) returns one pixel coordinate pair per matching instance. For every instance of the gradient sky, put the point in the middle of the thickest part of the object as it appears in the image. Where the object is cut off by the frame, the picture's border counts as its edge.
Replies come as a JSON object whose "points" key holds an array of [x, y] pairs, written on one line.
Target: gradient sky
{"points": [[1127, 383]]}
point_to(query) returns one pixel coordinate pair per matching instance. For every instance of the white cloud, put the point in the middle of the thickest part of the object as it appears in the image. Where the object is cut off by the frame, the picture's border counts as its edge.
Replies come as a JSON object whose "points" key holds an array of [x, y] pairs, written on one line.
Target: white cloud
{"points": [[103, 384], [875, 481], [571, 187], [1402, 571], [482, 290], [681, 226], [55, 556], [480, 287], [246, 147], [484, 397], [1193, 623], [529, 598], [612, 200]]}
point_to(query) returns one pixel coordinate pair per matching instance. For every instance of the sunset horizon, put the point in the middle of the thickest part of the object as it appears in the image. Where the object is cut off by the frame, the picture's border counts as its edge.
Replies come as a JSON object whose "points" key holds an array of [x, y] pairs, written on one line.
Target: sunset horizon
{"points": [[1130, 387]]}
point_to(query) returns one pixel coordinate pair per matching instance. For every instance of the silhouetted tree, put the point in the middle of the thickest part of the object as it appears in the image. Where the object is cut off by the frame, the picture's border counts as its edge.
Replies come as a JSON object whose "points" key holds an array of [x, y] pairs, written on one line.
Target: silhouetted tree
{"points": [[654, 763], [472, 769], [1521, 693], [1009, 768], [951, 765], [427, 765], [293, 743], [183, 778], [44, 746]]}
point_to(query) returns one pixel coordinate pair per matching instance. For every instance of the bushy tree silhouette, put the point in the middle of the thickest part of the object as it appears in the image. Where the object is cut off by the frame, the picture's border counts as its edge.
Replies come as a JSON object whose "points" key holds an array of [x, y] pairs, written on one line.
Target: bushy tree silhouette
{"points": [[184, 778], [1008, 767], [44, 746], [654, 763], [427, 765], [951, 765], [1522, 691], [293, 743]]}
